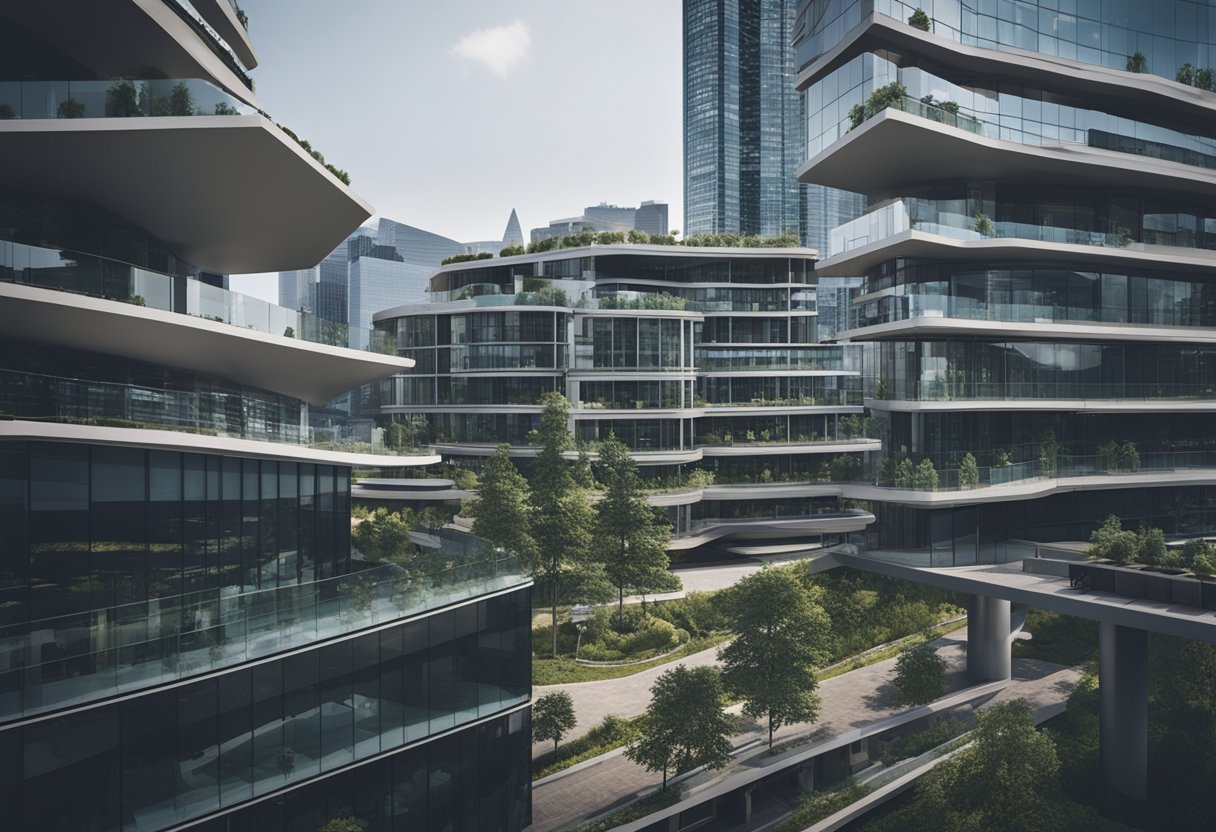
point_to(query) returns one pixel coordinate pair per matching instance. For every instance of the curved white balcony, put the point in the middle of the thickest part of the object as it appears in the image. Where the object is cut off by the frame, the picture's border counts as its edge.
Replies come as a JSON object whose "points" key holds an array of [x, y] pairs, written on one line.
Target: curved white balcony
{"points": [[895, 152], [759, 528]]}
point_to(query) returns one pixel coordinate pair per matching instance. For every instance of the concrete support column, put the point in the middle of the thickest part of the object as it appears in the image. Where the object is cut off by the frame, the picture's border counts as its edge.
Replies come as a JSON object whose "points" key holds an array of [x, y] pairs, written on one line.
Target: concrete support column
{"points": [[989, 658], [1123, 708]]}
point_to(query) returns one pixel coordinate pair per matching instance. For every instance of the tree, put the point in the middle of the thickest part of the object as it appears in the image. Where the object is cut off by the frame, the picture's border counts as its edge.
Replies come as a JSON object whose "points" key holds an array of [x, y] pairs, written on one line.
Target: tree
{"points": [[919, 20], [925, 476], [561, 515], [781, 634], [920, 675], [384, 537], [500, 512], [552, 718], [968, 472], [630, 540], [685, 725]]}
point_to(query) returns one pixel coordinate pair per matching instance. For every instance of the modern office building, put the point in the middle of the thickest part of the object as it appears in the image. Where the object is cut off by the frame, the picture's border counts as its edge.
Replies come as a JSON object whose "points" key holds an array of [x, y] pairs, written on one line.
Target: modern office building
{"points": [[345, 293], [743, 127], [650, 217], [1036, 284], [187, 639], [699, 359], [1038, 263]]}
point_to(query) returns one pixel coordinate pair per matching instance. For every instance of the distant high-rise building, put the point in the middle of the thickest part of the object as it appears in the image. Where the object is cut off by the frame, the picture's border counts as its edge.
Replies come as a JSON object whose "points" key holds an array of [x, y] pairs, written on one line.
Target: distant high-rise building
{"points": [[651, 217], [744, 127]]}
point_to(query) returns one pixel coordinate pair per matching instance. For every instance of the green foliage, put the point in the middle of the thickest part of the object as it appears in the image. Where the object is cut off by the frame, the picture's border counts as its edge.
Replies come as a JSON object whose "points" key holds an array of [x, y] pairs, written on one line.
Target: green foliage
{"points": [[122, 100], [697, 613], [638, 237], [1137, 62], [553, 717], [466, 258], [1002, 460], [513, 250], [634, 640], [882, 389], [634, 811], [1058, 638], [968, 472], [500, 512], [781, 635], [1113, 542], [939, 733], [222, 108], [1151, 546], [564, 670], [561, 515], [924, 478], [685, 725], [289, 332], [68, 108], [612, 732], [341, 175], [347, 824], [181, 101], [1008, 779], [1186, 74], [1204, 564], [892, 95], [982, 224], [919, 20], [818, 805], [384, 536], [920, 675]]}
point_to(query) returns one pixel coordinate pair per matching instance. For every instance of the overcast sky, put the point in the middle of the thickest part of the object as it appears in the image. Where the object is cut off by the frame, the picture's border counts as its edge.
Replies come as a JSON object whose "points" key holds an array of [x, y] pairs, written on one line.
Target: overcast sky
{"points": [[449, 113]]}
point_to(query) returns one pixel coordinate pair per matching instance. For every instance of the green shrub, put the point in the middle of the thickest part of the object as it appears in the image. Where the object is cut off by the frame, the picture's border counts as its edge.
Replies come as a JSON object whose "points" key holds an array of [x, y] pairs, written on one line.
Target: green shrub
{"points": [[940, 732], [696, 612], [466, 258], [919, 20]]}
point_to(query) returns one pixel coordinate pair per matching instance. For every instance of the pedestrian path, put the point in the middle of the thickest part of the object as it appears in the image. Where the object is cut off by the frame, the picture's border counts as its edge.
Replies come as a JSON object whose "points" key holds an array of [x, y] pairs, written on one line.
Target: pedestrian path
{"points": [[849, 701]]}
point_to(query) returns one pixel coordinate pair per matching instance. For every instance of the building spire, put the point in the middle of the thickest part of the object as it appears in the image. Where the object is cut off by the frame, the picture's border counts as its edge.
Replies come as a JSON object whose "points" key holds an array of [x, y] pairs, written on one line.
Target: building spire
{"points": [[514, 235]]}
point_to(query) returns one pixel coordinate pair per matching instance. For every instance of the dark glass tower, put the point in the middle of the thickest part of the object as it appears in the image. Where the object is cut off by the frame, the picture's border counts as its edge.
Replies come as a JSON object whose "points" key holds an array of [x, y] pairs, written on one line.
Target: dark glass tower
{"points": [[743, 126]]}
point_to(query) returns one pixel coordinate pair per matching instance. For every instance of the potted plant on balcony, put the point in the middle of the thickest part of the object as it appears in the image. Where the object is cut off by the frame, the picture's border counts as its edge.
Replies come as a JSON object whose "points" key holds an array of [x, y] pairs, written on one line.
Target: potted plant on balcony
{"points": [[982, 225], [919, 20], [968, 473]]}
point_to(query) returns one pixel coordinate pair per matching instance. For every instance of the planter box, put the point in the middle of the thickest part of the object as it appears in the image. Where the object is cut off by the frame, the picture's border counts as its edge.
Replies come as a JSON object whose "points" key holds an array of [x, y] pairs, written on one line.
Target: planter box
{"points": [[1130, 583], [1186, 591], [1157, 584], [1209, 594]]}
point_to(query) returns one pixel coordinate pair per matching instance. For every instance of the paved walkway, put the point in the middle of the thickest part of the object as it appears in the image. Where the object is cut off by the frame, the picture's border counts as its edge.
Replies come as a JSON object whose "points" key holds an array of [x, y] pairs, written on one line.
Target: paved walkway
{"points": [[850, 701]]}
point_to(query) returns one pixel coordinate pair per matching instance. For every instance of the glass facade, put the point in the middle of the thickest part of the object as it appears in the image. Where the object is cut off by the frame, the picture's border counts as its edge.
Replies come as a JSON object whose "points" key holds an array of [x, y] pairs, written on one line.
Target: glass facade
{"points": [[117, 99], [477, 781], [1106, 33], [743, 125], [173, 755]]}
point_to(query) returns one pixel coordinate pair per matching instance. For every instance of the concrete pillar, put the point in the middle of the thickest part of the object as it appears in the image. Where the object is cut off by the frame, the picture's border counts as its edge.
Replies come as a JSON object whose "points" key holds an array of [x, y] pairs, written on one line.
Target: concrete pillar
{"points": [[1123, 708], [989, 657]]}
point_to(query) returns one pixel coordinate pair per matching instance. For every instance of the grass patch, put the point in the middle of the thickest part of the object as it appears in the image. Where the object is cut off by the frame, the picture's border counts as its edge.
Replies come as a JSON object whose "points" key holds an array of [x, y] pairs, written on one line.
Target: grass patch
{"points": [[564, 670], [867, 659], [816, 806], [634, 811], [1062, 639], [611, 733]]}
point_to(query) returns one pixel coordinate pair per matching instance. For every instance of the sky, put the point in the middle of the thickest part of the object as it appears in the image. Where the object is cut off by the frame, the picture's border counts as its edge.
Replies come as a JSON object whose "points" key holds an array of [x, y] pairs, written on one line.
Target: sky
{"points": [[449, 113]]}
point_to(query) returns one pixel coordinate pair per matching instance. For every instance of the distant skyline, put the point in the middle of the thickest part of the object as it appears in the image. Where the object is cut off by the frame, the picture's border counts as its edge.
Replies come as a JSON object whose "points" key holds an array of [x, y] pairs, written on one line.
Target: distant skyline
{"points": [[449, 115]]}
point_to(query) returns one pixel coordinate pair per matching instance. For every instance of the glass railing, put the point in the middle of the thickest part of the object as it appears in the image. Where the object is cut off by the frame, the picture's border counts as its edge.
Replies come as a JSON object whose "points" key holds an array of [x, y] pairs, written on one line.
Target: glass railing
{"points": [[759, 516], [824, 398], [101, 277], [961, 389], [1063, 467], [726, 360], [117, 99], [924, 215], [902, 307], [58, 662]]}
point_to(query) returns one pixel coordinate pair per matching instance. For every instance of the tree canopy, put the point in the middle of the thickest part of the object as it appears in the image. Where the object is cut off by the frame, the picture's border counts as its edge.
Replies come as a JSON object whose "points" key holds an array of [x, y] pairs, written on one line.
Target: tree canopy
{"points": [[920, 675], [685, 725], [630, 539], [552, 718], [781, 635], [500, 513]]}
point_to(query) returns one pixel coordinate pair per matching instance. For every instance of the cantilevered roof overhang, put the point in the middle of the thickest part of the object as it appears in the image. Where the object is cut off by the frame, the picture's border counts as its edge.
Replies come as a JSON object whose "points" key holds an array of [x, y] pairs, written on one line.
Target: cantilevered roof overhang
{"points": [[1140, 96], [895, 151], [919, 244], [312, 372], [115, 38], [228, 194]]}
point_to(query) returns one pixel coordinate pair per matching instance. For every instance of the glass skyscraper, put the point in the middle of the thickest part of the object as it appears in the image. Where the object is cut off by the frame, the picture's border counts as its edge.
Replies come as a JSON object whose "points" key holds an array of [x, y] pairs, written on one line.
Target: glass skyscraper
{"points": [[743, 126]]}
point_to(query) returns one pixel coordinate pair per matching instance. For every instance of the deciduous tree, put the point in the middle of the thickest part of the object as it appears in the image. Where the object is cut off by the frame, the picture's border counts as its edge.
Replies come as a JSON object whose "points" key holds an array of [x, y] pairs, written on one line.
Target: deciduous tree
{"points": [[552, 718], [500, 512], [685, 725], [781, 634], [920, 675]]}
